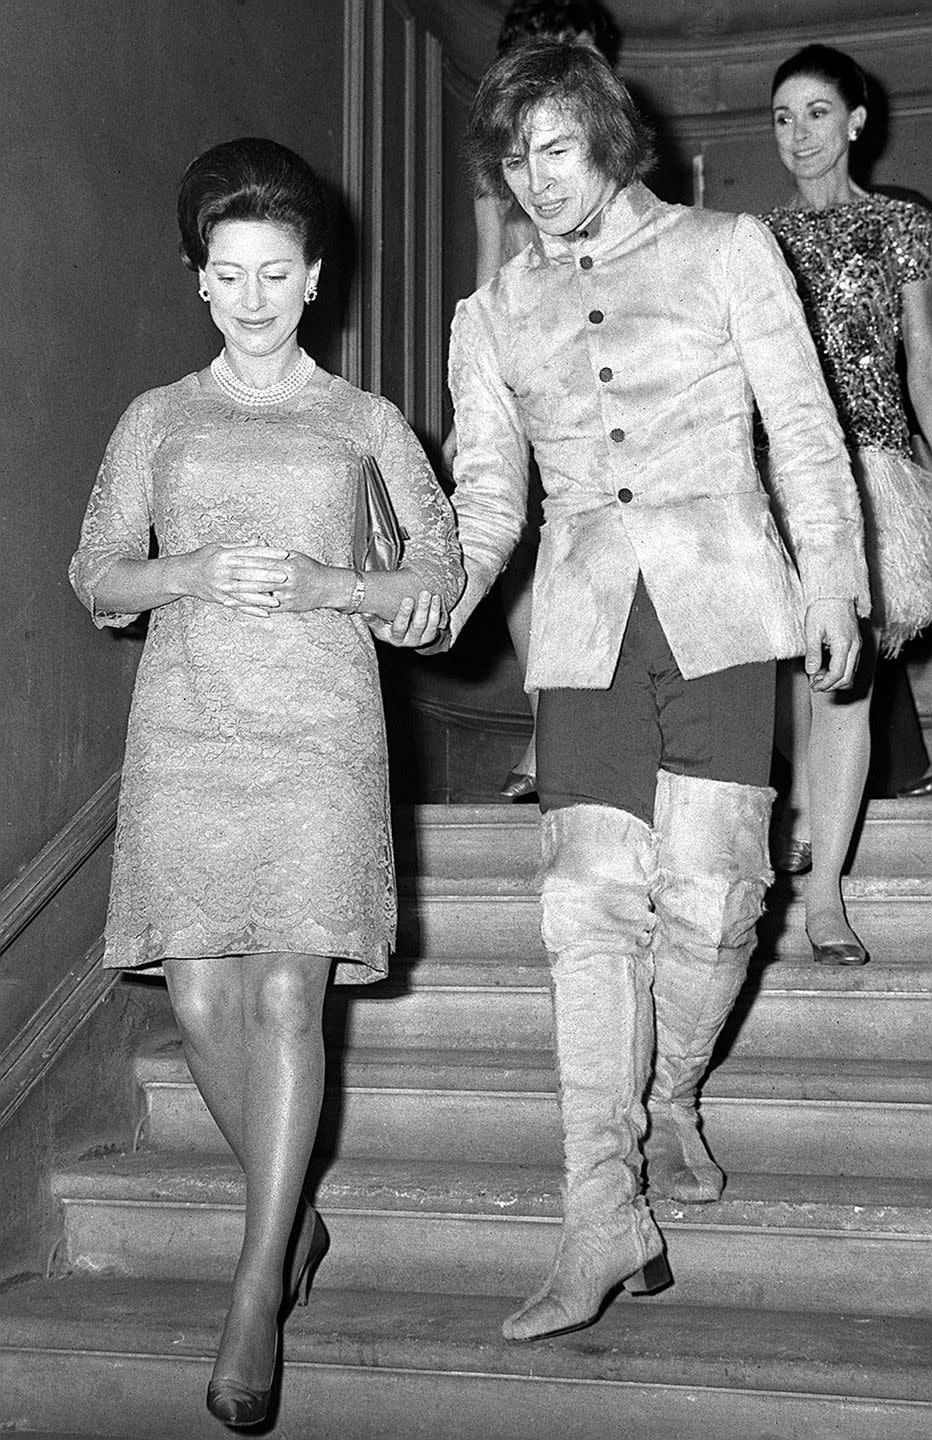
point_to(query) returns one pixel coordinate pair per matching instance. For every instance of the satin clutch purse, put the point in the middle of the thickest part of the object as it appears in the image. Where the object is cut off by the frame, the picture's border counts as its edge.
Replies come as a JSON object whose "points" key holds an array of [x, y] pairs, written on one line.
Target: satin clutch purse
{"points": [[378, 539]]}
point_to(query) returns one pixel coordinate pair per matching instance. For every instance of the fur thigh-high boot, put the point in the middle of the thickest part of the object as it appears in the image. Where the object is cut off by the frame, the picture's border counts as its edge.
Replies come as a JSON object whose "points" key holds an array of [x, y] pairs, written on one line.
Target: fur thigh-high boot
{"points": [[713, 872], [598, 864]]}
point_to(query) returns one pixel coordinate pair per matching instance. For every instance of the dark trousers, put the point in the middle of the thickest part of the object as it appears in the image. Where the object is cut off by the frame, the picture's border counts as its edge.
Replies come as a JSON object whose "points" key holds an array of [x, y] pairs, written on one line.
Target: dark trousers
{"points": [[605, 746]]}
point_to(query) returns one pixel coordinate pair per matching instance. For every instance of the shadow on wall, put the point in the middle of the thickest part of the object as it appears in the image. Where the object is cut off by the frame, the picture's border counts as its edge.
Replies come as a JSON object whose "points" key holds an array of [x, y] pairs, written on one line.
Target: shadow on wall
{"points": [[321, 329], [671, 174]]}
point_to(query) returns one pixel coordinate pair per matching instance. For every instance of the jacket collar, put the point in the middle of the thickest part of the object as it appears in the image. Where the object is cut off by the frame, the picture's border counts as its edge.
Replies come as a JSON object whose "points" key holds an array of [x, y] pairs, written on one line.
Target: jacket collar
{"points": [[618, 218]]}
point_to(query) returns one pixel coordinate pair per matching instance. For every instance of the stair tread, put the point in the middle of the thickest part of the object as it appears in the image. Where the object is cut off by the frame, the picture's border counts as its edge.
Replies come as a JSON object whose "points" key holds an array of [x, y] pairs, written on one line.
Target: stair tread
{"points": [[487, 1071], [755, 1349], [854, 1204], [798, 972], [496, 886], [914, 811]]}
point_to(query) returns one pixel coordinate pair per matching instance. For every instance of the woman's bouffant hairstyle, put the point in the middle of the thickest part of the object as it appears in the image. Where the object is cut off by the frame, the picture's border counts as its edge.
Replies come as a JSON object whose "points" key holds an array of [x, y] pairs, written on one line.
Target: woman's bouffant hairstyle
{"points": [[250, 179], [828, 64], [573, 78], [560, 20]]}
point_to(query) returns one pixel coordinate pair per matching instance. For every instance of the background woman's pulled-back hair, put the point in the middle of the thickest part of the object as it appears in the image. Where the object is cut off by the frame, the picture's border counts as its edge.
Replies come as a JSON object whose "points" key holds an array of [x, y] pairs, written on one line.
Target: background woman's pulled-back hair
{"points": [[573, 78], [828, 64], [560, 20], [250, 179]]}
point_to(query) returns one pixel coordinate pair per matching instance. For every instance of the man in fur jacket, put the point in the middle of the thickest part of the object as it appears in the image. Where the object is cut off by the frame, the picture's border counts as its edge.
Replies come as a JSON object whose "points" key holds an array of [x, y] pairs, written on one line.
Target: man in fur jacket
{"points": [[626, 344]]}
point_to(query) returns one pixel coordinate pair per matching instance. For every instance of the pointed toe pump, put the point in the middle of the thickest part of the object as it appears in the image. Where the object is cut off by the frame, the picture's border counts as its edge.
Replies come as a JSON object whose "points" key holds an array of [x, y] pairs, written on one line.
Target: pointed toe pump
{"points": [[237, 1406]]}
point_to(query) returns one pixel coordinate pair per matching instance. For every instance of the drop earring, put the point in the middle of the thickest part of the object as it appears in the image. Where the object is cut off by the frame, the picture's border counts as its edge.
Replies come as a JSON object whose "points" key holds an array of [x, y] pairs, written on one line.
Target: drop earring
{"points": [[310, 294]]}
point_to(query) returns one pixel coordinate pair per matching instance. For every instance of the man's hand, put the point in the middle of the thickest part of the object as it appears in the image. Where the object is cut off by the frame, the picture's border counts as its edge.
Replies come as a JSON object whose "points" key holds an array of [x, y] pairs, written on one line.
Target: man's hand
{"points": [[832, 626], [416, 622], [448, 452]]}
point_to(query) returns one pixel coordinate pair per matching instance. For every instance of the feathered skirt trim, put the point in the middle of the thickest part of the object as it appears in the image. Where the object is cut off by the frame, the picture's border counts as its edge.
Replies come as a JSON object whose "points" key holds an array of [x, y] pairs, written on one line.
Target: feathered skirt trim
{"points": [[896, 497]]}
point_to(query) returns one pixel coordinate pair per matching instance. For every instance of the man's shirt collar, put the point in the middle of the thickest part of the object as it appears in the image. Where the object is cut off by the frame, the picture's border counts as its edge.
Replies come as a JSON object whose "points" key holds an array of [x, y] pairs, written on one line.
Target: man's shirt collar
{"points": [[619, 217]]}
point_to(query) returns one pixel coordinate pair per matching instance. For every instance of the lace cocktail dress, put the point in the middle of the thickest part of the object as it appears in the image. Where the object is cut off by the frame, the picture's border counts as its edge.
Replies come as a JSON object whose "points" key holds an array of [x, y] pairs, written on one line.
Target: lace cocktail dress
{"points": [[254, 812]]}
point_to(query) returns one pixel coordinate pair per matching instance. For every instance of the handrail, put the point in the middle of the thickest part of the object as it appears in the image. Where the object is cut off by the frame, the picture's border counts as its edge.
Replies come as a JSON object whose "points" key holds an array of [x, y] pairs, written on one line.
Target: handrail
{"points": [[43, 877]]}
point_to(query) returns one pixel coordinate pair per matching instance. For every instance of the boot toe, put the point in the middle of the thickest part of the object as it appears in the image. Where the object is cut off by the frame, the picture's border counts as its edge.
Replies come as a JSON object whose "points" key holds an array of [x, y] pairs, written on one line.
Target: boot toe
{"points": [[543, 1317], [690, 1185]]}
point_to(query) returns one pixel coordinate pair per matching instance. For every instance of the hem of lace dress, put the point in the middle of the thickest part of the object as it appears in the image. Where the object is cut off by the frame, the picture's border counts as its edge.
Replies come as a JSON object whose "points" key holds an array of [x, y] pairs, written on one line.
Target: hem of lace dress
{"points": [[350, 968]]}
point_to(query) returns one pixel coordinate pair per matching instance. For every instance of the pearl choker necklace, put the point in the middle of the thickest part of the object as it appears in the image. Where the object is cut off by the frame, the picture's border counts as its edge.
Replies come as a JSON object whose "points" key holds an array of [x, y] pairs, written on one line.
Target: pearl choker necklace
{"points": [[286, 389]]}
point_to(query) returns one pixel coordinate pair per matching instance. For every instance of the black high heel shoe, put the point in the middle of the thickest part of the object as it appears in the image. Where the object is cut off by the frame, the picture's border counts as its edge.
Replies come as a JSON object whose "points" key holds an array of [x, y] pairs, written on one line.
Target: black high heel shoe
{"points": [[300, 1288], [519, 786], [793, 857], [838, 952], [238, 1406]]}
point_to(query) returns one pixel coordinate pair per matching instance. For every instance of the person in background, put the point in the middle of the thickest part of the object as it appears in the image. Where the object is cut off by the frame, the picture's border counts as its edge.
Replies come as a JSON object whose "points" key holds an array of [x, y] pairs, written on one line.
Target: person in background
{"points": [[502, 230], [624, 345], [863, 266], [253, 851]]}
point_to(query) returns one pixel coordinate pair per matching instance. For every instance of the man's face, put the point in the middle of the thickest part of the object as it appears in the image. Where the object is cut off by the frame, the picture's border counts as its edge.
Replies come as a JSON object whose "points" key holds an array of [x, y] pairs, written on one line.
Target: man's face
{"points": [[551, 177]]}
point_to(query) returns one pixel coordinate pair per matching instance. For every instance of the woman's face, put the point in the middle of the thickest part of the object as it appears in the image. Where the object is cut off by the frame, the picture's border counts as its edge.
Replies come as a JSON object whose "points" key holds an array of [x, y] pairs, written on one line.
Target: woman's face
{"points": [[813, 127], [256, 278]]}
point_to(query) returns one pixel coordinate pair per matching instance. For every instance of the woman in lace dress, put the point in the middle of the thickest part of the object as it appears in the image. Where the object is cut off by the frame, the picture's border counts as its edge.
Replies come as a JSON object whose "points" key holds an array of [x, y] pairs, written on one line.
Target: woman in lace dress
{"points": [[253, 851], [863, 265]]}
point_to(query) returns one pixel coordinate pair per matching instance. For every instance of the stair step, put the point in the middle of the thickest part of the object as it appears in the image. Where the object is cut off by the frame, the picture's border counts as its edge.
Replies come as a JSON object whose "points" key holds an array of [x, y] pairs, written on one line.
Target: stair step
{"points": [[109, 1357], [893, 918], [783, 1011], [784, 1242], [847, 1117], [787, 1008], [489, 841]]}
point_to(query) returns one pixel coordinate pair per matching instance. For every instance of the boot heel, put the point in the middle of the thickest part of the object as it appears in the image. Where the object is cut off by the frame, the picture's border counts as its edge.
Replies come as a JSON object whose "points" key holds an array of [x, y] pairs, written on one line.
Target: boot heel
{"points": [[655, 1275]]}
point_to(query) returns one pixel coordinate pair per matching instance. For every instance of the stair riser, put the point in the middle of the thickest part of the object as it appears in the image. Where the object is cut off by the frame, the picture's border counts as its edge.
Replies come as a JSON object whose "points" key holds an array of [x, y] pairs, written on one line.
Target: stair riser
{"points": [[748, 1136], [772, 1268], [894, 930], [492, 851], [151, 1398], [806, 1024]]}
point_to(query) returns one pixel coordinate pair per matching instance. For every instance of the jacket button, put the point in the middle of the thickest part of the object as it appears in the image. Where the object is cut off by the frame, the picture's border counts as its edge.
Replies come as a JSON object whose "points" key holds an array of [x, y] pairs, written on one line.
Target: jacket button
{"points": [[605, 373], [586, 262], [596, 317], [617, 436], [625, 495]]}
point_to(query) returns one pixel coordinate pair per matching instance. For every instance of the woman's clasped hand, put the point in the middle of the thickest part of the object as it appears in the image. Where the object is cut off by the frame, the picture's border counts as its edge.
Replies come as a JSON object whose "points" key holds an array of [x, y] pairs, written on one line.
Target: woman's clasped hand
{"points": [[262, 581], [243, 576]]}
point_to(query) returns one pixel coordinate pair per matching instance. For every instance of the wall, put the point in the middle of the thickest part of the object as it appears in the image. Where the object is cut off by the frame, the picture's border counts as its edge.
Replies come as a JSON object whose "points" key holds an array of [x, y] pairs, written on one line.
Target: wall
{"points": [[102, 104]]}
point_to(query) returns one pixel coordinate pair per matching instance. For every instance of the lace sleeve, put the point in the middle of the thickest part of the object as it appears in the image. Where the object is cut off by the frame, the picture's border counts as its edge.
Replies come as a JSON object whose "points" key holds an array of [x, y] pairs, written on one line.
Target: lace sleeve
{"points": [[118, 516], [432, 549]]}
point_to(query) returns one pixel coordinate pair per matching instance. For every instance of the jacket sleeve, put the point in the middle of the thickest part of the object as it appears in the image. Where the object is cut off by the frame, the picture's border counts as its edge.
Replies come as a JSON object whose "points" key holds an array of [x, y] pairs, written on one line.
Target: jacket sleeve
{"points": [[491, 464], [809, 473]]}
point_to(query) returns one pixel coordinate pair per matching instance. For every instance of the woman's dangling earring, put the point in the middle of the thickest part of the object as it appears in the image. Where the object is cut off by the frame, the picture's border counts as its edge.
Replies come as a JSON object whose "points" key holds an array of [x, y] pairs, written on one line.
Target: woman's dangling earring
{"points": [[310, 294]]}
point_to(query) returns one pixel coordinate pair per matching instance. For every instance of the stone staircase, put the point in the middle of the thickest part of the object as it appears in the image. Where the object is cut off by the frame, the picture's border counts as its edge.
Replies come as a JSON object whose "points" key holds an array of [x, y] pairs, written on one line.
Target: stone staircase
{"points": [[801, 1300]]}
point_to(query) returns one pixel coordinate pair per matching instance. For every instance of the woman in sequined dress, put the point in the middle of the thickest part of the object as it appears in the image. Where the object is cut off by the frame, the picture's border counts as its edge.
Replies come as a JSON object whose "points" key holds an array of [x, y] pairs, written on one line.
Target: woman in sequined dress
{"points": [[863, 265], [253, 850]]}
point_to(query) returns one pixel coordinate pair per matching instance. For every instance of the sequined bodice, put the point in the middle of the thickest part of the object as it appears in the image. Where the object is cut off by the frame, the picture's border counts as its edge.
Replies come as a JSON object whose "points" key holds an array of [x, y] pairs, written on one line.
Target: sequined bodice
{"points": [[850, 265]]}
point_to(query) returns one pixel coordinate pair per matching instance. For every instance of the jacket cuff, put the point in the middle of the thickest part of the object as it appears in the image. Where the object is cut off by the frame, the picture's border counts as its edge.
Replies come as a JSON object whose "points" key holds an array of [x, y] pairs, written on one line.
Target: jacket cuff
{"points": [[479, 581]]}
